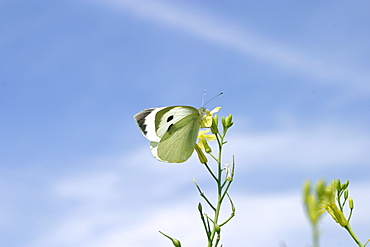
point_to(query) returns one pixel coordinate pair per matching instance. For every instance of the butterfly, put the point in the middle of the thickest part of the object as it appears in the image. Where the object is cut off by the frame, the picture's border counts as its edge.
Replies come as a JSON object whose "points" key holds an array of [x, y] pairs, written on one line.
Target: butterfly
{"points": [[172, 131]]}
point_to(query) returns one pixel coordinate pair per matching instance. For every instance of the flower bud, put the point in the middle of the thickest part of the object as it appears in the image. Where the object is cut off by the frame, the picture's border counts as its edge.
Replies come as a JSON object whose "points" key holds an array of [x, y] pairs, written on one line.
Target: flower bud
{"points": [[351, 203], [345, 185], [207, 148], [176, 242], [228, 122], [346, 194], [202, 158], [200, 208], [214, 126], [336, 184]]}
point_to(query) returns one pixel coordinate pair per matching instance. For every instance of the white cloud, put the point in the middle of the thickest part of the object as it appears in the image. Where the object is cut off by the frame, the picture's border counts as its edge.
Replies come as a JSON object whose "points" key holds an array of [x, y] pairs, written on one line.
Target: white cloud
{"points": [[219, 31], [308, 147], [124, 201], [261, 220], [104, 207]]}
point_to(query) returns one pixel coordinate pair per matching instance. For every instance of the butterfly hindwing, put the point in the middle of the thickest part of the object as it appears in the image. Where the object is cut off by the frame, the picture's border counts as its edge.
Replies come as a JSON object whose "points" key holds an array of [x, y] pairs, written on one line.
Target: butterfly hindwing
{"points": [[169, 116], [177, 144]]}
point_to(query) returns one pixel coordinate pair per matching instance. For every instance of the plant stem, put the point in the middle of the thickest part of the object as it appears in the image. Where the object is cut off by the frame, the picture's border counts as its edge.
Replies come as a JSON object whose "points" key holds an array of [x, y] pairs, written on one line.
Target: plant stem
{"points": [[353, 235], [219, 193], [315, 235]]}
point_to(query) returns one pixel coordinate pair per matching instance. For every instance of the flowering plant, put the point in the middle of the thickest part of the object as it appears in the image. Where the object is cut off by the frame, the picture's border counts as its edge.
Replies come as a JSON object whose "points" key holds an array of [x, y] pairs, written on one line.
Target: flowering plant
{"points": [[223, 175], [331, 199]]}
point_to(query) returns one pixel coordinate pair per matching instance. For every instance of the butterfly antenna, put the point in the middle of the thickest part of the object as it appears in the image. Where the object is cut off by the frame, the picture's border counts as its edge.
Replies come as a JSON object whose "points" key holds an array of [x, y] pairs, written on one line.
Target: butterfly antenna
{"points": [[204, 95], [211, 99]]}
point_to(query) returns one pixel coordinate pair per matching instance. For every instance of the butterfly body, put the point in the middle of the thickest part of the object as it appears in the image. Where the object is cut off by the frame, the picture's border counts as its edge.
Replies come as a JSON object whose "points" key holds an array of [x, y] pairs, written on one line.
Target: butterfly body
{"points": [[172, 131]]}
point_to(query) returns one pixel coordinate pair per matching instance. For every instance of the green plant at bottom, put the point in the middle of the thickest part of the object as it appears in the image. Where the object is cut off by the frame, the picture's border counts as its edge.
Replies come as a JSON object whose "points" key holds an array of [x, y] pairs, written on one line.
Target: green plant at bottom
{"points": [[223, 176], [331, 199]]}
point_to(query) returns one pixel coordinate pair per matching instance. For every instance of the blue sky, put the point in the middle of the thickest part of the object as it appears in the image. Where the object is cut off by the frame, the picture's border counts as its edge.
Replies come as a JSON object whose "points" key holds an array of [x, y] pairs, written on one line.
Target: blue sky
{"points": [[74, 168]]}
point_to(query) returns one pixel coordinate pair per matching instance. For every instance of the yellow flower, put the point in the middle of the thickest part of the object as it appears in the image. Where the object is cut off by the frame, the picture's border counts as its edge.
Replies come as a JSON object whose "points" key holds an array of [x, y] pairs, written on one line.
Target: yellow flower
{"points": [[328, 204], [209, 137], [207, 118], [337, 215], [203, 137]]}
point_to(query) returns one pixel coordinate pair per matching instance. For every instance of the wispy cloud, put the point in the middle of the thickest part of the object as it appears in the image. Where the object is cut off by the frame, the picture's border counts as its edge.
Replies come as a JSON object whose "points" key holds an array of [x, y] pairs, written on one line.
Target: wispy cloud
{"points": [[322, 146], [108, 205], [82, 226], [236, 37]]}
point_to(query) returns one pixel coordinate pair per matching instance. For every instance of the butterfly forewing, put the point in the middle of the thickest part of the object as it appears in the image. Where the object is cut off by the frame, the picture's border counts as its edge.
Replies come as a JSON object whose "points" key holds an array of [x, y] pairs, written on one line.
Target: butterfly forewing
{"points": [[145, 120]]}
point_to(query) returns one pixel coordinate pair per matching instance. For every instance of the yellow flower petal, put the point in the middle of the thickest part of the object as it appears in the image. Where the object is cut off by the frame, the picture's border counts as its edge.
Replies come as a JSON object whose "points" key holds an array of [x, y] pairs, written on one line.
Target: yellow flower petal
{"points": [[209, 137], [216, 109], [207, 118]]}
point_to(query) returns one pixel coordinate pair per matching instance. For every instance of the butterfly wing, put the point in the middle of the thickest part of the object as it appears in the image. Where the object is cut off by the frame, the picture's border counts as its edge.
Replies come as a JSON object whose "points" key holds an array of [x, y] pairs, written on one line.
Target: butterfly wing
{"points": [[178, 128], [172, 131], [146, 123]]}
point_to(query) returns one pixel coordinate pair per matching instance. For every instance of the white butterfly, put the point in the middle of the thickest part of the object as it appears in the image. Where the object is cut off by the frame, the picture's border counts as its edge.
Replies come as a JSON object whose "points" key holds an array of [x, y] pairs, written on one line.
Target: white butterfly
{"points": [[172, 131]]}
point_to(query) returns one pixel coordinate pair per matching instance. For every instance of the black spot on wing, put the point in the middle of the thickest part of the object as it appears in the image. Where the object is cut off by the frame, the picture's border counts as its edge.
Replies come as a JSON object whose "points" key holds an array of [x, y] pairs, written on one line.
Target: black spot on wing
{"points": [[140, 119], [169, 118], [169, 127]]}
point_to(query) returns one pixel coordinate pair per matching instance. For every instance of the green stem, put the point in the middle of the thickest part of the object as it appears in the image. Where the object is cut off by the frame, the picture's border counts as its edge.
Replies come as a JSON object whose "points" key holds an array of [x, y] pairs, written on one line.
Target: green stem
{"points": [[210, 171], [315, 236], [350, 214], [205, 226], [202, 195], [367, 242], [232, 211], [353, 235], [339, 194], [225, 192], [219, 194]]}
